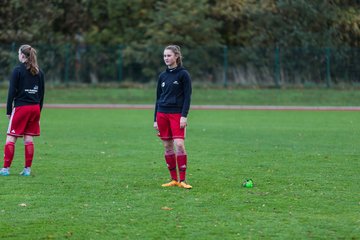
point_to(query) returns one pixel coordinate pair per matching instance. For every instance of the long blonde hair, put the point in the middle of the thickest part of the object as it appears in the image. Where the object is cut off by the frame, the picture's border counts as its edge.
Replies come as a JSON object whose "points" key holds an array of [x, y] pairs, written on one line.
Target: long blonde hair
{"points": [[177, 51], [31, 59]]}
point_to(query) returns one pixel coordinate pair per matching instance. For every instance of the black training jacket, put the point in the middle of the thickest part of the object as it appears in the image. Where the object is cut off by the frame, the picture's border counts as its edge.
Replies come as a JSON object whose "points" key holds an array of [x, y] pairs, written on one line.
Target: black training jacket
{"points": [[173, 93], [25, 88]]}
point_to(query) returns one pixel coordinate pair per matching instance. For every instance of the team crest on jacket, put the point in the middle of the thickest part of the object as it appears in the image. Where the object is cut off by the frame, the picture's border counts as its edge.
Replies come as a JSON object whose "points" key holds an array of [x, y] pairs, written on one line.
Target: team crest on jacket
{"points": [[163, 84]]}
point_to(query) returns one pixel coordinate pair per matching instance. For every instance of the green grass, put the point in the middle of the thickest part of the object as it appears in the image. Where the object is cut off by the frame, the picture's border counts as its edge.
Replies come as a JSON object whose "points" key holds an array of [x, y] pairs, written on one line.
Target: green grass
{"points": [[292, 97], [97, 175]]}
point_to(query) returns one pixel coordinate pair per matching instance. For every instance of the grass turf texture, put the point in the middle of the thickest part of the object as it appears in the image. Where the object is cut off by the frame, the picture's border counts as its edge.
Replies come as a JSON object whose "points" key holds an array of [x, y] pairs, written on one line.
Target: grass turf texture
{"points": [[291, 97], [97, 175]]}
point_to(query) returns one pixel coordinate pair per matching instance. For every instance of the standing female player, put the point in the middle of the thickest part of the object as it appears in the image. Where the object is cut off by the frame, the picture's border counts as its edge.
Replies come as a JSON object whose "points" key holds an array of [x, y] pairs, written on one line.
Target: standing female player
{"points": [[171, 109], [24, 104]]}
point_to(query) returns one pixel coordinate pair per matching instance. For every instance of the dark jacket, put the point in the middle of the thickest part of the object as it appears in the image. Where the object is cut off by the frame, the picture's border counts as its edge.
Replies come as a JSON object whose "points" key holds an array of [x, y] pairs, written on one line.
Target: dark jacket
{"points": [[25, 88], [173, 93]]}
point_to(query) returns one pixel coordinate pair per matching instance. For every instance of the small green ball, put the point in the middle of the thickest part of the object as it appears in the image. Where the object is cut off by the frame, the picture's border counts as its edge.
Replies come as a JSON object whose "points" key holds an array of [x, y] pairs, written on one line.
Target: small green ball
{"points": [[248, 183]]}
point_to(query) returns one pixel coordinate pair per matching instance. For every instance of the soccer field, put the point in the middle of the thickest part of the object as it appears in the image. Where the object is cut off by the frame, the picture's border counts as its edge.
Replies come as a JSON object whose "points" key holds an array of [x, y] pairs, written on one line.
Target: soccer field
{"points": [[97, 175]]}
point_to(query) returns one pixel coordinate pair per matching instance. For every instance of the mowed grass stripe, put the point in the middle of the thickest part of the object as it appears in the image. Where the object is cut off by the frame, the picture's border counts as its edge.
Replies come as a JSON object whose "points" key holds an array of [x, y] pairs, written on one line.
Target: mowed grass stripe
{"points": [[97, 175]]}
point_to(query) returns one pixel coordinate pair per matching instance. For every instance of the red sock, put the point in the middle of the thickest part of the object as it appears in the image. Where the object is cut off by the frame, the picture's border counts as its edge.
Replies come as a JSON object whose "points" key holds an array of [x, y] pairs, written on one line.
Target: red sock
{"points": [[171, 164], [9, 150], [29, 153], [182, 162]]}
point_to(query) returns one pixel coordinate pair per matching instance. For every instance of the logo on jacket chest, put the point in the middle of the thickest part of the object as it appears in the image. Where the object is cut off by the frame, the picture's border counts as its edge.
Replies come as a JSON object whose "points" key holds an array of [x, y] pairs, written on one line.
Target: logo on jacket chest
{"points": [[174, 83], [32, 91]]}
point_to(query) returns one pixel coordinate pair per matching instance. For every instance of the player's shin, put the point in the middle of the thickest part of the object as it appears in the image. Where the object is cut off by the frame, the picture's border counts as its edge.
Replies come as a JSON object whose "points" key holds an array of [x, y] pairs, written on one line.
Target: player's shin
{"points": [[9, 151], [170, 159], [182, 165], [29, 153]]}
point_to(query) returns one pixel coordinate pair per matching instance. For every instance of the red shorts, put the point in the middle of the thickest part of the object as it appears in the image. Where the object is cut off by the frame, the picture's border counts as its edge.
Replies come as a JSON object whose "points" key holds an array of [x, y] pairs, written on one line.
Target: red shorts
{"points": [[25, 120], [169, 126]]}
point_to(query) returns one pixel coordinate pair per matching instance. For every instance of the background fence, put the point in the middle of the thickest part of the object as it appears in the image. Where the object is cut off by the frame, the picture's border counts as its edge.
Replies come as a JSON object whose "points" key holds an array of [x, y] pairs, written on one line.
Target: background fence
{"points": [[223, 66]]}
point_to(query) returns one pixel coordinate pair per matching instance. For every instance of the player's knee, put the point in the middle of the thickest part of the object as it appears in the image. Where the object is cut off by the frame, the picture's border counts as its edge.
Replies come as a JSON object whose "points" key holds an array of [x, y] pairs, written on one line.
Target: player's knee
{"points": [[28, 139], [169, 151], [28, 143], [180, 147], [168, 145], [11, 139]]}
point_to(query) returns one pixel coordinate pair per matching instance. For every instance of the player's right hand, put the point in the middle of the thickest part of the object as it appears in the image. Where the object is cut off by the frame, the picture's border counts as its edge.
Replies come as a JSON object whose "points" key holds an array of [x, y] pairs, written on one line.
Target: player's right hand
{"points": [[156, 126]]}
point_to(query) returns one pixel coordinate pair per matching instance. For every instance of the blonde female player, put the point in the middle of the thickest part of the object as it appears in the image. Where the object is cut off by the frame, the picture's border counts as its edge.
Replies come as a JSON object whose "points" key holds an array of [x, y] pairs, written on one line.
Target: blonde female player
{"points": [[171, 109], [24, 104]]}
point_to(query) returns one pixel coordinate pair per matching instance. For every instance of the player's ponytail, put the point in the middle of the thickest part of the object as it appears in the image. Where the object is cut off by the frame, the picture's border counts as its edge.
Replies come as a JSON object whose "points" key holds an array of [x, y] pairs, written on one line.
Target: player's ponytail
{"points": [[31, 59], [177, 51]]}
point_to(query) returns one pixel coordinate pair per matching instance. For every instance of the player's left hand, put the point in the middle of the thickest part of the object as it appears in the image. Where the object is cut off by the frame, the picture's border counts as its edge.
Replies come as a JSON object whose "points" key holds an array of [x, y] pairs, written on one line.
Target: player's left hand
{"points": [[183, 122], [156, 126]]}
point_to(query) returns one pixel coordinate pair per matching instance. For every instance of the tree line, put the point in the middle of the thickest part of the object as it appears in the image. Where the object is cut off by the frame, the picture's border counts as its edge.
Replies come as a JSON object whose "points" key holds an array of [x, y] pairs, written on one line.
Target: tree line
{"points": [[246, 23], [129, 32]]}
